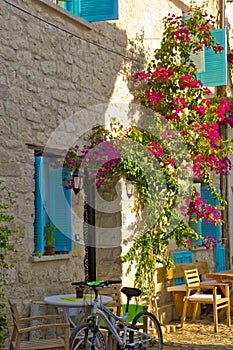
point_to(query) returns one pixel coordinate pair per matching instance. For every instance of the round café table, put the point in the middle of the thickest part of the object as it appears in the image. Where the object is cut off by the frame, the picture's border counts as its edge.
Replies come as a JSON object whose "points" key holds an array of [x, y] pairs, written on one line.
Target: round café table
{"points": [[78, 308]]}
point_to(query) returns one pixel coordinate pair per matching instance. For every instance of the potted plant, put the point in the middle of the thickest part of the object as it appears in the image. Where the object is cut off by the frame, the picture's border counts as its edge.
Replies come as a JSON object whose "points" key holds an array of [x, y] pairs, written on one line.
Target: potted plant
{"points": [[49, 237]]}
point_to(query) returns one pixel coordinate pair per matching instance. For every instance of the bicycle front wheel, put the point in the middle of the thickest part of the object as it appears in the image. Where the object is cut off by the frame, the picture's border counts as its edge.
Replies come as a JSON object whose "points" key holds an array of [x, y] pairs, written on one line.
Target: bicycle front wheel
{"points": [[147, 324], [82, 338]]}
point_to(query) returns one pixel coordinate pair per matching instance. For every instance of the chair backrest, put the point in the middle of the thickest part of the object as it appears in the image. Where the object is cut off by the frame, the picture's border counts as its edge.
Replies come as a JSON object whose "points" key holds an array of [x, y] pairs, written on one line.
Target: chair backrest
{"points": [[192, 278], [115, 305], [15, 315]]}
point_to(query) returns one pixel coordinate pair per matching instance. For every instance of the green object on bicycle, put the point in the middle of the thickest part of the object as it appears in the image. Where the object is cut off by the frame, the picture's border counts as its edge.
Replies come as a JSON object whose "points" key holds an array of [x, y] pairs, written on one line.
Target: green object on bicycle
{"points": [[95, 283], [134, 309]]}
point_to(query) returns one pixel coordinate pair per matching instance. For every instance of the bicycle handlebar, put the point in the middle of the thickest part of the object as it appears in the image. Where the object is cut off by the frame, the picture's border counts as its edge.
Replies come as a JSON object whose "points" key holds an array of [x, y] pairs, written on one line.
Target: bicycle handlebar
{"points": [[93, 284]]}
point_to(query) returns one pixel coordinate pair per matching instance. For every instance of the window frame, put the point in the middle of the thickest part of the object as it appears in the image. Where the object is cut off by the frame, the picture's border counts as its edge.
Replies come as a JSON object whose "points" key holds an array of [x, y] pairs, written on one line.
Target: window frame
{"points": [[56, 209]]}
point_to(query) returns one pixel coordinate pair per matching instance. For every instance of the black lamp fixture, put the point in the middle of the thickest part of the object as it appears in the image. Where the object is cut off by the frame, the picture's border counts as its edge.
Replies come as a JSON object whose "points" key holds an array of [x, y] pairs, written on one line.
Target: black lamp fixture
{"points": [[78, 181], [130, 188]]}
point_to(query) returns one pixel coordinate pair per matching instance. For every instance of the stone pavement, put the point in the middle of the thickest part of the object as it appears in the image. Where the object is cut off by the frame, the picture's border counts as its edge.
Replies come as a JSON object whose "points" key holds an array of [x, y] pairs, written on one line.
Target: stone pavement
{"points": [[200, 335]]}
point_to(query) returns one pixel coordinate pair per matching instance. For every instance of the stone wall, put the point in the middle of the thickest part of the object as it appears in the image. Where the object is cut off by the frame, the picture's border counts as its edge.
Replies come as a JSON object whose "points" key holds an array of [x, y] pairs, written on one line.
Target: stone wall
{"points": [[55, 69], [54, 65]]}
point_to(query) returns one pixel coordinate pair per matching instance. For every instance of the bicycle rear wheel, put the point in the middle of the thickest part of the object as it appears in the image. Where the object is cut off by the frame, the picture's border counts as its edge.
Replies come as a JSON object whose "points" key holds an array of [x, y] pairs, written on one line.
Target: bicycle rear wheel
{"points": [[146, 323], [82, 339]]}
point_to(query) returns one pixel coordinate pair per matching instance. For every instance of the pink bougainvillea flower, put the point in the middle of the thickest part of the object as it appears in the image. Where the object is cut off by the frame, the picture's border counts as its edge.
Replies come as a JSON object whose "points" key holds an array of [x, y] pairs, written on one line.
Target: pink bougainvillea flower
{"points": [[162, 74], [182, 34], [154, 98], [230, 57], [141, 75], [199, 109], [156, 150], [169, 161], [188, 81], [218, 48], [168, 134]]}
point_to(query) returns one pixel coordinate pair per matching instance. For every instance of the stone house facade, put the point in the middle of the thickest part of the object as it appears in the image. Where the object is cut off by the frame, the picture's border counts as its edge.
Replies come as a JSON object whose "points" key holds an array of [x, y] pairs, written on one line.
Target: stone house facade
{"points": [[60, 72]]}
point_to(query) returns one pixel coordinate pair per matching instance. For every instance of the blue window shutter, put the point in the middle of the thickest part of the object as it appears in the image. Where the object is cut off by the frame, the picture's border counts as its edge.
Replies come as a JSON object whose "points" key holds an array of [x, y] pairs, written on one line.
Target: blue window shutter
{"points": [[59, 204], [197, 227], [179, 258], [199, 60], [208, 229], [215, 64], [220, 258], [39, 206], [93, 10]]}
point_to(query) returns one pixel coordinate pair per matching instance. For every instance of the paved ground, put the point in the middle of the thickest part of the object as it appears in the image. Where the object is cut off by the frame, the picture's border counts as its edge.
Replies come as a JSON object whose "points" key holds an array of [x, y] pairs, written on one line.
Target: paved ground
{"points": [[200, 336]]}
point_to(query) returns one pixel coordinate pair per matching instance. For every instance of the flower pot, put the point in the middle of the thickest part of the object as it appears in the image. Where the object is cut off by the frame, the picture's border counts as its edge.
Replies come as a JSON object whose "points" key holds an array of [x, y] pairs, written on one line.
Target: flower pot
{"points": [[49, 250], [79, 292]]}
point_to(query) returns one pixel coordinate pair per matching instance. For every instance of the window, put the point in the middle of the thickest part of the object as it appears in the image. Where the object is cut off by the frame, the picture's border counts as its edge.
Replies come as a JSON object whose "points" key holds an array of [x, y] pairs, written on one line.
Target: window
{"points": [[201, 227], [52, 205], [212, 67], [92, 10], [215, 71], [179, 258]]}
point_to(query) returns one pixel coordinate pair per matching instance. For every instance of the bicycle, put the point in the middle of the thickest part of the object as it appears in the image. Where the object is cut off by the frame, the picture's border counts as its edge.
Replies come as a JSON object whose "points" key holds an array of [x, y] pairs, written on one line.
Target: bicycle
{"points": [[144, 333]]}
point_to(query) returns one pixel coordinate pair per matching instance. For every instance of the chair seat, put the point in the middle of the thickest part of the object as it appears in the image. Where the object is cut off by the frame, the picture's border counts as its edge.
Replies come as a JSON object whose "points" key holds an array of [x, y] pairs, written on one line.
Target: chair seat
{"points": [[54, 343], [203, 297]]}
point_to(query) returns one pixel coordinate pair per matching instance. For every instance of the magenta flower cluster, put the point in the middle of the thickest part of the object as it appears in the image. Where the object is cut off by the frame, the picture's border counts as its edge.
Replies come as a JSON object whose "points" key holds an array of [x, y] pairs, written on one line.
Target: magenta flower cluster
{"points": [[207, 242], [203, 210]]}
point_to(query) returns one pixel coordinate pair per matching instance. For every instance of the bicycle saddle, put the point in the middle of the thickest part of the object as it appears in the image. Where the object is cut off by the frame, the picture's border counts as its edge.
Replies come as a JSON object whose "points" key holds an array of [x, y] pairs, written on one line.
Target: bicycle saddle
{"points": [[131, 292]]}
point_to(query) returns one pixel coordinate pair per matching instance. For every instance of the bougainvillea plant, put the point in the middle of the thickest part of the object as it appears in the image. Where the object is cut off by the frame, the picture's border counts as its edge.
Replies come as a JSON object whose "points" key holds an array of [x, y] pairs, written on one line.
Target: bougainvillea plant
{"points": [[169, 89]]}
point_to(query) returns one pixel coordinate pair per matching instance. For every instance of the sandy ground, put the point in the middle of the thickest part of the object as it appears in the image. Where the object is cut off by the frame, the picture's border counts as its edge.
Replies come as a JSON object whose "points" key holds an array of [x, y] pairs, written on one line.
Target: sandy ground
{"points": [[200, 335]]}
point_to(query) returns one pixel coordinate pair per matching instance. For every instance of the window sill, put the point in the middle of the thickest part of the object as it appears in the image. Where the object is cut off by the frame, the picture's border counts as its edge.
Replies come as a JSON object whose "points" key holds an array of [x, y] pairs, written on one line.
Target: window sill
{"points": [[200, 248], [58, 8], [36, 259]]}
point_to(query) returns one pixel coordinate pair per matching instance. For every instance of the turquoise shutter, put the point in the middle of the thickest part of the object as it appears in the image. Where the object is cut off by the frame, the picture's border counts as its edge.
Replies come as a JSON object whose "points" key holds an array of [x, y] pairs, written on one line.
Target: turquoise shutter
{"points": [[220, 258], [93, 10], [59, 202], [208, 229], [179, 258], [215, 64], [39, 206], [199, 60], [197, 227]]}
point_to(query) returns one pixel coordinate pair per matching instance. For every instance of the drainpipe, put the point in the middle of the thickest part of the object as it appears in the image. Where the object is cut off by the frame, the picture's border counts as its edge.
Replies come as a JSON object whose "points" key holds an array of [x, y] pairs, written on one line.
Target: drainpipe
{"points": [[89, 231]]}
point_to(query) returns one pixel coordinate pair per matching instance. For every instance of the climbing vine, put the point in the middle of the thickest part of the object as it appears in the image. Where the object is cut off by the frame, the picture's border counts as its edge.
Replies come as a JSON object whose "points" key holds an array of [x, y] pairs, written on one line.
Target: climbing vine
{"points": [[180, 135], [5, 247]]}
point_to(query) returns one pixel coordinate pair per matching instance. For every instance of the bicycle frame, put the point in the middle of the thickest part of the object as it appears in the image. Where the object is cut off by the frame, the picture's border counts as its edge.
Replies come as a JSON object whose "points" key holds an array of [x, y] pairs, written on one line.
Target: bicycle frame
{"points": [[118, 327], [102, 310]]}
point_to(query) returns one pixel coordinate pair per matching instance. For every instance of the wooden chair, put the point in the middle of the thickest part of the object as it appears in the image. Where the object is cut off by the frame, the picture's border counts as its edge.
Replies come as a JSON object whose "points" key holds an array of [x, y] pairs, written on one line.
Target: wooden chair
{"points": [[20, 334], [115, 294], [194, 295]]}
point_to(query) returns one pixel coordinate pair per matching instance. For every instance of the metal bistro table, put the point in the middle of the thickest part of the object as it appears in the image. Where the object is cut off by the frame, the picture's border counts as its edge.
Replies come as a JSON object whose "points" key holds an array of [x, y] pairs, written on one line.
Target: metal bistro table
{"points": [[73, 306]]}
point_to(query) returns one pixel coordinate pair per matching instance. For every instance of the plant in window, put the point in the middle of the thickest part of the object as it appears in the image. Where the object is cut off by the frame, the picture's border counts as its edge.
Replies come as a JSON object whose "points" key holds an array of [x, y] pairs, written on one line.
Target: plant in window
{"points": [[49, 237]]}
